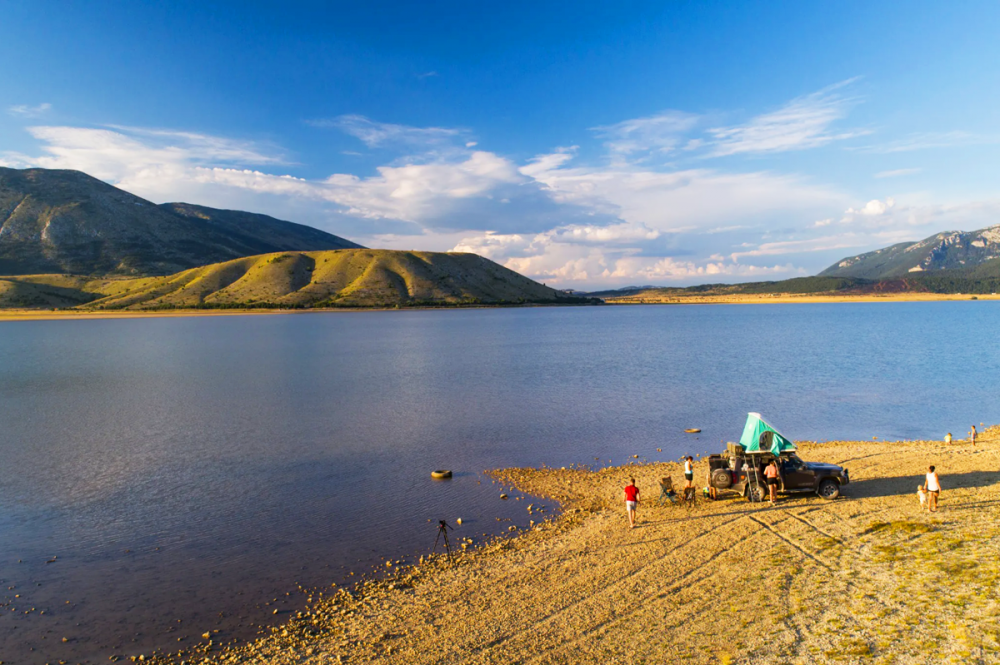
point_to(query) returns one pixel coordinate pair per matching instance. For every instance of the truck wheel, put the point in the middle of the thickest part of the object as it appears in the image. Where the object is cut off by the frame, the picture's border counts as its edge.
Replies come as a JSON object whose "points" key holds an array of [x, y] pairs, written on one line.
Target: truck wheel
{"points": [[829, 489], [757, 493], [721, 479]]}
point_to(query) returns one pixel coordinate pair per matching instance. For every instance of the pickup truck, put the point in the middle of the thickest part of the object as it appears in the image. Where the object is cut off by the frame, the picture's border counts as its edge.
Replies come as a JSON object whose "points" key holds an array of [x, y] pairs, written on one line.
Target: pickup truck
{"points": [[743, 472]]}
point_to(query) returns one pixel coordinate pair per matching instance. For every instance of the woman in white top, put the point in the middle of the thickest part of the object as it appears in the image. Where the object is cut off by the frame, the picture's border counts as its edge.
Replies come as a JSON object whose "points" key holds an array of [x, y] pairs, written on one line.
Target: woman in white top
{"points": [[932, 485]]}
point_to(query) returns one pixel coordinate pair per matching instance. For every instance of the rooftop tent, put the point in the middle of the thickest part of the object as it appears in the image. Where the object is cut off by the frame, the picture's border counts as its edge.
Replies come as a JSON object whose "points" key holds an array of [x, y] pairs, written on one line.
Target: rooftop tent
{"points": [[758, 435]]}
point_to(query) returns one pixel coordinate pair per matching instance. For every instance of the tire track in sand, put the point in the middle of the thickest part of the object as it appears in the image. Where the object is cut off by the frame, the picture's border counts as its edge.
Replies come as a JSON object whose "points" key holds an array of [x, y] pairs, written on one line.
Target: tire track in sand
{"points": [[596, 597]]}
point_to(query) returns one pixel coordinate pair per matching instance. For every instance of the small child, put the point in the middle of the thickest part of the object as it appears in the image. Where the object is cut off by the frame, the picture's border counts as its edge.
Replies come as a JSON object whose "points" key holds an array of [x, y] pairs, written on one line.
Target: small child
{"points": [[922, 494]]}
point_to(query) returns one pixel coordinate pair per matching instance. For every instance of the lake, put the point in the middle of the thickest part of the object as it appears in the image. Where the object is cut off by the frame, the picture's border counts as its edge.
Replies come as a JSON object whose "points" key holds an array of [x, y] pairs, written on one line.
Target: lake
{"points": [[163, 477]]}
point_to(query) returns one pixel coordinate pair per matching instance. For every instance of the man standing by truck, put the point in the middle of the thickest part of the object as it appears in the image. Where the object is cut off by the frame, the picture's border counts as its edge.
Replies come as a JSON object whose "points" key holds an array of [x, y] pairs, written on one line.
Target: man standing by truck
{"points": [[771, 473]]}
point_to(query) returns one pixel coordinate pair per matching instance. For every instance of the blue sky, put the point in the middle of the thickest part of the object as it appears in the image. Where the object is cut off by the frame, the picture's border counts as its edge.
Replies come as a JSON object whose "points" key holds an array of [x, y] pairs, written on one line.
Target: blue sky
{"points": [[583, 144]]}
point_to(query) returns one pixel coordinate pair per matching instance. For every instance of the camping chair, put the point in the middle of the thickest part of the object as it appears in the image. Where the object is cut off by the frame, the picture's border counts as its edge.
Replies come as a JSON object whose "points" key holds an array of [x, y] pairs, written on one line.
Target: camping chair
{"points": [[667, 493], [690, 496]]}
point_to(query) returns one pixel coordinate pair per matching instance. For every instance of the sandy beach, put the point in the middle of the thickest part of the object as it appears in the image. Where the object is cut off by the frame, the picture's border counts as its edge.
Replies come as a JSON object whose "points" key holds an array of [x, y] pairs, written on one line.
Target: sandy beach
{"points": [[82, 314], [869, 577]]}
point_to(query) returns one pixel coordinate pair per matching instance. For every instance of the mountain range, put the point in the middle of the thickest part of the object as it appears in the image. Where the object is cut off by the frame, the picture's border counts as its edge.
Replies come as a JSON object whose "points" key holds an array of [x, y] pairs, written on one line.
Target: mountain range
{"points": [[70, 240], [55, 221], [951, 250], [949, 262]]}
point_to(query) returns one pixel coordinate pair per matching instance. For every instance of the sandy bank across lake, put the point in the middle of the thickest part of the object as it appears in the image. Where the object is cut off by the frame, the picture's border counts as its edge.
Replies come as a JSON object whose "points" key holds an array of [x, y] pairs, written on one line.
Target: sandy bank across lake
{"points": [[865, 578], [71, 314], [791, 298]]}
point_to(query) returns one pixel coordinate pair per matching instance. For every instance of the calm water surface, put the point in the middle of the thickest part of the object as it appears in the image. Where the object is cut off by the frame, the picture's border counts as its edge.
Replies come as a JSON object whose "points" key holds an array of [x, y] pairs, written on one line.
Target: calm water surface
{"points": [[188, 473]]}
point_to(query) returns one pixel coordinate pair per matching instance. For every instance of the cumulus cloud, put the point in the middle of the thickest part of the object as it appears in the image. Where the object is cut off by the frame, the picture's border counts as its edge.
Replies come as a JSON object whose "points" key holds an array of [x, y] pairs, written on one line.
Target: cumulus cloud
{"points": [[669, 268], [464, 189], [26, 111], [915, 218], [557, 258], [873, 208], [678, 200], [554, 217], [548, 217]]}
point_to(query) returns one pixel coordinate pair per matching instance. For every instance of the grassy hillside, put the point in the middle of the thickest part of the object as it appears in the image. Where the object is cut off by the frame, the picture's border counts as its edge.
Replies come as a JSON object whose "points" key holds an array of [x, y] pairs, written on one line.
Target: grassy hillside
{"points": [[66, 222], [336, 278]]}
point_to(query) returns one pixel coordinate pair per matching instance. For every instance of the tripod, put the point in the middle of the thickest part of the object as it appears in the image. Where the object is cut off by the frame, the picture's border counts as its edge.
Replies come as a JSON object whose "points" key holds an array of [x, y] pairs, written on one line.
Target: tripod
{"points": [[443, 531]]}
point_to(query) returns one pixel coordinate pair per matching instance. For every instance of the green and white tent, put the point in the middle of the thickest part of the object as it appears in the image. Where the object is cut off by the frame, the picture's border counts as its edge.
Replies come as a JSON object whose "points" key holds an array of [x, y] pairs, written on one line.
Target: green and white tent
{"points": [[758, 435]]}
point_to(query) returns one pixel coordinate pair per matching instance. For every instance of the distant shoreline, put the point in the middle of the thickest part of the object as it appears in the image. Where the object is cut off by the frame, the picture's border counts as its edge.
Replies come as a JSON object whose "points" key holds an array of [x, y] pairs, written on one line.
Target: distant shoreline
{"points": [[49, 315], [789, 298]]}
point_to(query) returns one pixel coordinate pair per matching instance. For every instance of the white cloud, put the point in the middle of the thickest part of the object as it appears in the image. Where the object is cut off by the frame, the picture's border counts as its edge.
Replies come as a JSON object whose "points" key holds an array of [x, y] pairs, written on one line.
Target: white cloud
{"points": [[804, 122], [873, 208], [692, 199], [552, 258], [916, 219], [25, 111], [931, 140], [897, 173], [824, 244], [376, 134], [669, 268], [123, 154], [657, 133], [165, 165], [604, 235], [553, 217]]}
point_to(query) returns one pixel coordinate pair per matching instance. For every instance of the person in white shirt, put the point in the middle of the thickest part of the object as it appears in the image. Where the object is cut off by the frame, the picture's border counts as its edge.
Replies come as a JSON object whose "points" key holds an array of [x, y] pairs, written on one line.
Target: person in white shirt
{"points": [[932, 485]]}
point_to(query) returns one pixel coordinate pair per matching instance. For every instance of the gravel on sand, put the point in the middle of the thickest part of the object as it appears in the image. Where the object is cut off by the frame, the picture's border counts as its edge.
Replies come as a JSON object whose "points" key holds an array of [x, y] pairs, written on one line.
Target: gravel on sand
{"points": [[869, 577]]}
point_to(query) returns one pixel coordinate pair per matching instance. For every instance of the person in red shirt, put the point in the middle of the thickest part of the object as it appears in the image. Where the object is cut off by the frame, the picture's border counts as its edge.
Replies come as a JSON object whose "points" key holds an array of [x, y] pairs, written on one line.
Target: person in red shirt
{"points": [[631, 501]]}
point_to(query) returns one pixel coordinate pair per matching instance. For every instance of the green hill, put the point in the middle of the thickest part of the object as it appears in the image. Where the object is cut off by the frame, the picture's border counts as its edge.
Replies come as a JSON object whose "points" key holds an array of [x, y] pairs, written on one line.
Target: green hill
{"points": [[338, 278], [67, 222]]}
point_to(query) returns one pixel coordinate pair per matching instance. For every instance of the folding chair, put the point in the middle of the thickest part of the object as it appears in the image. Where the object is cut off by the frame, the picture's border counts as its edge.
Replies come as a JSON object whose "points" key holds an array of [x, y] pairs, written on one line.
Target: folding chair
{"points": [[690, 497], [667, 493]]}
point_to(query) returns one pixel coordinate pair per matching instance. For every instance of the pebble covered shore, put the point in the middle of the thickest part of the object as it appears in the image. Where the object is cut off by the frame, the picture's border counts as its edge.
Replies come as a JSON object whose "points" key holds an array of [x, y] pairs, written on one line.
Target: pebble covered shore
{"points": [[866, 578]]}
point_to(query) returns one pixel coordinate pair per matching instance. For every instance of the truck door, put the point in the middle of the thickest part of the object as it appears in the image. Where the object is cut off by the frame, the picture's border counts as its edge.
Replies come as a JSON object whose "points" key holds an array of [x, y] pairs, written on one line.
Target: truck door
{"points": [[796, 475]]}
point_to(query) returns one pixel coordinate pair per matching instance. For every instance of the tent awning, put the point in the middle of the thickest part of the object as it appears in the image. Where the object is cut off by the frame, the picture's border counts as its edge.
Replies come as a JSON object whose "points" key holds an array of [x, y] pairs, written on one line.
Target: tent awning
{"points": [[755, 433]]}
